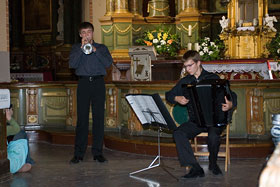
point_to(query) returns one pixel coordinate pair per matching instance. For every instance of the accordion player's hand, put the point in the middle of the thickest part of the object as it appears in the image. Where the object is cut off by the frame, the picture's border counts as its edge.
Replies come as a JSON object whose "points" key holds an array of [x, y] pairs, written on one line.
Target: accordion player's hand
{"points": [[226, 106], [181, 100]]}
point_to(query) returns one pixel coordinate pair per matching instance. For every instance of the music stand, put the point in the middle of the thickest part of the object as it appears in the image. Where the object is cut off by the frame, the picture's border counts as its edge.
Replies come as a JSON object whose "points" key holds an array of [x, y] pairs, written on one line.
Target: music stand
{"points": [[151, 111]]}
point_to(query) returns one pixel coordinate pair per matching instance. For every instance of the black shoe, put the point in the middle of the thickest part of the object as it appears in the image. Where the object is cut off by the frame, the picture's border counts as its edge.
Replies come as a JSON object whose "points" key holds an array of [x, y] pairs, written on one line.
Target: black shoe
{"points": [[76, 160], [215, 169], [100, 158], [194, 173]]}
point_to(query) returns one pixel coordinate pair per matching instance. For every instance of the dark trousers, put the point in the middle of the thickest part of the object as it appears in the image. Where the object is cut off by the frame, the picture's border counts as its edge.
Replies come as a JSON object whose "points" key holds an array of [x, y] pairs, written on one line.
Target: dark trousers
{"points": [[90, 92], [188, 131]]}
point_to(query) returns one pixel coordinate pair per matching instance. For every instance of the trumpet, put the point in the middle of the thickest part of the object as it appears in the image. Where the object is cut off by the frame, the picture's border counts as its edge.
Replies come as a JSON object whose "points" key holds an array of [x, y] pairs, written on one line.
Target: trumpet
{"points": [[87, 48]]}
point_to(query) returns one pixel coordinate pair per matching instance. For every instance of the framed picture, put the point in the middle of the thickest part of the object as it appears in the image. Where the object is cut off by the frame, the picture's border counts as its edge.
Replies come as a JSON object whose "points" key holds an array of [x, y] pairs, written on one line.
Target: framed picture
{"points": [[37, 16]]}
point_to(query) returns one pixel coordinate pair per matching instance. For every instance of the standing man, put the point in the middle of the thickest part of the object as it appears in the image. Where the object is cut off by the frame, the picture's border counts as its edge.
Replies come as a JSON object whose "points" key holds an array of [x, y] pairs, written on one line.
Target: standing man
{"points": [[90, 68], [190, 129]]}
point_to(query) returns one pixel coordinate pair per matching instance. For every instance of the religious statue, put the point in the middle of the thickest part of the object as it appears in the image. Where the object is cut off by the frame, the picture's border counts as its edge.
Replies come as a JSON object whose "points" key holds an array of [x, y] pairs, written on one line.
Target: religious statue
{"points": [[223, 23], [268, 21], [60, 28]]}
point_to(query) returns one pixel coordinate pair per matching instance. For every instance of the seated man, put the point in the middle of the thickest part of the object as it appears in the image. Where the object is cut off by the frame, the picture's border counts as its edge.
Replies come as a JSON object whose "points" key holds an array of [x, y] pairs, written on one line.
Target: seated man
{"points": [[190, 129], [18, 148]]}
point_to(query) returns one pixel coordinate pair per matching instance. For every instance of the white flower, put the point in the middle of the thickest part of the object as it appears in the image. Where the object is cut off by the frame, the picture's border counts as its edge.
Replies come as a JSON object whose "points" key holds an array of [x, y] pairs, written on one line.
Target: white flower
{"points": [[158, 46], [210, 52], [204, 44], [207, 38], [278, 51], [162, 42], [212, 43], [205, 49], [201, 53], [155, 41]]}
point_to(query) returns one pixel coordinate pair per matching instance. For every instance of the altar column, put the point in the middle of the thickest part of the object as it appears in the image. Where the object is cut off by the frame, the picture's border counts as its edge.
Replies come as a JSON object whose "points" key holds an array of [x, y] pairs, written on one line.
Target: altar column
{"points": [[122, 30], [188, 24]]}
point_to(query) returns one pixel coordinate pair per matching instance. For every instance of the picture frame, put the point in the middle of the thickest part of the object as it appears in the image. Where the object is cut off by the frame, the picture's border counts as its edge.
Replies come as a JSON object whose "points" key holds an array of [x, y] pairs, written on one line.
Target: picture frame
{"points": [[36, 16]]}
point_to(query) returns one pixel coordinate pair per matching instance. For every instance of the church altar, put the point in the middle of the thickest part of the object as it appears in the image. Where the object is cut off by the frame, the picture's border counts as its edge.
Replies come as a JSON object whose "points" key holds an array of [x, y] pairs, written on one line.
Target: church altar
{"points": [[53, 105], [232, 69]]}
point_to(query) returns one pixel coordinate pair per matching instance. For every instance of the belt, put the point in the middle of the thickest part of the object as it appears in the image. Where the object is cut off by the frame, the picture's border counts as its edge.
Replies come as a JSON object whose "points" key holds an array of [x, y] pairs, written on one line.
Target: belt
{"points": [[221, 124], [91, 78]]}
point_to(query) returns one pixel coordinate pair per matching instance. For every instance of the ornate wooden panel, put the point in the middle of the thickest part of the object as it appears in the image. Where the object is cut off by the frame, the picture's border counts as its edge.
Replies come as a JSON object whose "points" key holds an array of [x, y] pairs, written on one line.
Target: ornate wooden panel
{"points": [[254, 109], [271, 106], [32, 106]]}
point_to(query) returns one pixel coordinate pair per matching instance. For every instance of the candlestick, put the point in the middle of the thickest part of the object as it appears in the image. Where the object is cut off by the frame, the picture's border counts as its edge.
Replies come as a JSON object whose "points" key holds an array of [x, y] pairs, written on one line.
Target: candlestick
{"points": [[190, 30], [196, 46], [189, 46]]}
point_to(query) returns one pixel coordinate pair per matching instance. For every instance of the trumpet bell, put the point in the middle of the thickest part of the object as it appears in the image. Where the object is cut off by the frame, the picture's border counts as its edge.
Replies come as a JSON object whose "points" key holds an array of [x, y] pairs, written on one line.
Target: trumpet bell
{"points": [[87, 49]]}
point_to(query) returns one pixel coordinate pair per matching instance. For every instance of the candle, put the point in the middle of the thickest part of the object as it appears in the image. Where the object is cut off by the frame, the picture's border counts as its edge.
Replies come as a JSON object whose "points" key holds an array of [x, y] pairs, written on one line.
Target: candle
{"points": [[196, 46], [190, 30], [189, 46]]}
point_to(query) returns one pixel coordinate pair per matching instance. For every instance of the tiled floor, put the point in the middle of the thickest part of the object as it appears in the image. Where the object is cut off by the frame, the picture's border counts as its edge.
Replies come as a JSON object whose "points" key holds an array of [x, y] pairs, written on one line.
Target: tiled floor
{"points": [[52, 169]]}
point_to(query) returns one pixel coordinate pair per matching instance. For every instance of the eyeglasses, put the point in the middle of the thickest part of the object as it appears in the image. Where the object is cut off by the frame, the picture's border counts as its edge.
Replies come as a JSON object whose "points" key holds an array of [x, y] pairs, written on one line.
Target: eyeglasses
{"points": [[188, 66]]}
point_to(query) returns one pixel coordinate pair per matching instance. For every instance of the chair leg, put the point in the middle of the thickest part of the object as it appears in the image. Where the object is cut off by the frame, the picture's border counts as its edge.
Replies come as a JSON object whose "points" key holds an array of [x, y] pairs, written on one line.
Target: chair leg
{"points": [[227, 159], [195, 145]]}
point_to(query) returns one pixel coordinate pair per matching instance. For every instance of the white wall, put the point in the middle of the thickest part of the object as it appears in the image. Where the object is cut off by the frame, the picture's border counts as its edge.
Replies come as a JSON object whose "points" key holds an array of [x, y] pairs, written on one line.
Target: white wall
{"points": [[98, 11]]}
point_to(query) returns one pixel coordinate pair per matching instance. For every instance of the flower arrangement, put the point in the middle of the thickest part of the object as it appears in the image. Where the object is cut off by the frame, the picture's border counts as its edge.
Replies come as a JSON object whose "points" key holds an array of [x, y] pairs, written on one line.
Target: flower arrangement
{"points": [[274, 47], [209, 50], [165, 44]]}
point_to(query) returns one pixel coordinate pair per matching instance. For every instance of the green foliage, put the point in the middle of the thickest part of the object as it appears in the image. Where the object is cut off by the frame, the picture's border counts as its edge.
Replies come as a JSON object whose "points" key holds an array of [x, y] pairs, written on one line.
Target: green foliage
{"points": [[274, 47], [165, 44], [211, 50]]}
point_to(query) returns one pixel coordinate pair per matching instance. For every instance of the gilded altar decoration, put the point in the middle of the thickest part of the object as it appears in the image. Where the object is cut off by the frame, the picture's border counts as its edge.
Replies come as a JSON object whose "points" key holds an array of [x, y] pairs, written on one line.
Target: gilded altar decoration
{"points": [[165, 43], [247, 29]]}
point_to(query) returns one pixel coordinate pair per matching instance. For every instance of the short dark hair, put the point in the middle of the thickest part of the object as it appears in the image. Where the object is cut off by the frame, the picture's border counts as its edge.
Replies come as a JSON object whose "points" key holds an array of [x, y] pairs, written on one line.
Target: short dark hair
{"points": [[86, 25], [191, 55]]}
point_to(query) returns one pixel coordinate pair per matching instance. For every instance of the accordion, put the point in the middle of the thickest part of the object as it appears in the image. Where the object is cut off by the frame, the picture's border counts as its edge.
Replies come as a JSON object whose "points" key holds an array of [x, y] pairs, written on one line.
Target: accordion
{"points": [[205, 102]]}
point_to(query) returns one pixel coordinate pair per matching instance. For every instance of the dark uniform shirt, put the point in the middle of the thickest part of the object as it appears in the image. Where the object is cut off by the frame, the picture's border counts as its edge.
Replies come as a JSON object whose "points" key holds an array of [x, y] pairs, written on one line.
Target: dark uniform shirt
{"points": [[93, 64], [177, 90]]}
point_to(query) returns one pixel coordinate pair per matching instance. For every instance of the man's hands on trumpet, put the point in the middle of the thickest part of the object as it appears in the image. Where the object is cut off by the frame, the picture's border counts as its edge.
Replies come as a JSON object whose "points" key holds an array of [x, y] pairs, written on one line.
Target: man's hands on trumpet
{"points": [[86, 41]]}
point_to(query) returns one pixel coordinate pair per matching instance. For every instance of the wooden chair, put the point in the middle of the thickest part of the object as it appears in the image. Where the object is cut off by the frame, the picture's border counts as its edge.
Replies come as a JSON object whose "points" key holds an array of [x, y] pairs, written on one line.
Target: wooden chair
{"points": [[225, 154]]}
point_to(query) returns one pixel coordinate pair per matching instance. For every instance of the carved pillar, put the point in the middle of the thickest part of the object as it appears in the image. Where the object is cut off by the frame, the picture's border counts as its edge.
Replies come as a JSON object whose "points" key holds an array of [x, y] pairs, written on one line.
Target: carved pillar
{"points": [[110, 7], [189, 6], [121, 6], [189, 22], [112, 108], [203, 6], [254, 111], [262, 10], [136, 7], [120, 32], [32, 106], [232, 13], [71, 118], [158, 8]]}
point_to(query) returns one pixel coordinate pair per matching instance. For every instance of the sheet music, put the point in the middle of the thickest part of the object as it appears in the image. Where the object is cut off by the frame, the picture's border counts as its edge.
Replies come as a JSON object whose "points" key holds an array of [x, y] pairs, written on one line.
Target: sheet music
{"points": [[146, 109]]}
